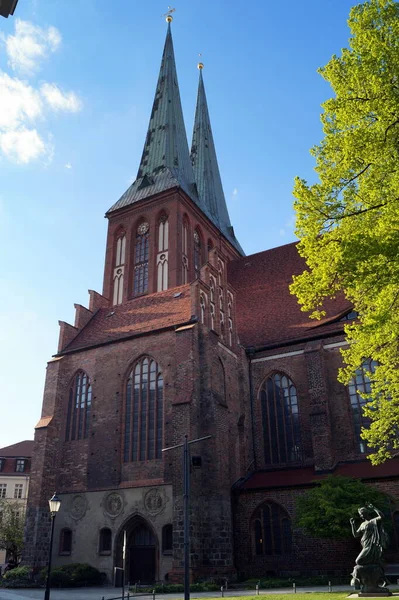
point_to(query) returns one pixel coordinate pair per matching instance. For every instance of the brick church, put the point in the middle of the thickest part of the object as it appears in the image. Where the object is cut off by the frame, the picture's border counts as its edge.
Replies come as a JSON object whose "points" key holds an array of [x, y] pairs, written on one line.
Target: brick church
{"points": [[190, 336]]}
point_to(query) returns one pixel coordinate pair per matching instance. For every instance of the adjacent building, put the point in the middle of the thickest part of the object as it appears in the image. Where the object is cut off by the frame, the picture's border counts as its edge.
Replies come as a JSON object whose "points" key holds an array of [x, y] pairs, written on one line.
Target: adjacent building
{"points": [[15, 463], [191, 337]]}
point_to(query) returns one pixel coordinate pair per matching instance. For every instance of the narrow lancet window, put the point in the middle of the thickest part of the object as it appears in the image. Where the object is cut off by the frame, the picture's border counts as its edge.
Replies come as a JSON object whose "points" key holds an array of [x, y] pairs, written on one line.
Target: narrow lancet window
{"points": [[119, 269], [230, 316], [162, 255], [140, 283], [197, 252], [185, 251]]}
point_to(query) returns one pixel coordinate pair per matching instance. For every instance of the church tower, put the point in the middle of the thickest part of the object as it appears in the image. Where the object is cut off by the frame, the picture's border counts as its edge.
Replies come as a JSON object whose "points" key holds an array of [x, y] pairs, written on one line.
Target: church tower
{"points": [[153, 358]]}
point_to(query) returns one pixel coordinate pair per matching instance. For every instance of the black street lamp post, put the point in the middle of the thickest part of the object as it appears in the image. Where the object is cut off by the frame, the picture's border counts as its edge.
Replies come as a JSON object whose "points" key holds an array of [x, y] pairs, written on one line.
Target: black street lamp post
{"points": [[186, 506], [54, 504]]}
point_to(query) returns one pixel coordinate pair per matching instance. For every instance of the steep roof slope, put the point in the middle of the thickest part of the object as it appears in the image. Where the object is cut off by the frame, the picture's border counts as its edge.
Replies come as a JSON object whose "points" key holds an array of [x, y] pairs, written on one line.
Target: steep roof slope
{"points": [[20, 449], [140, 315], [266, 312]]}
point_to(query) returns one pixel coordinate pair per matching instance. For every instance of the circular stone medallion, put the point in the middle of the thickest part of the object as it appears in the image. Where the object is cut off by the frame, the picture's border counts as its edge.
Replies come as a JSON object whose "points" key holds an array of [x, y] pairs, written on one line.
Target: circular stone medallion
{"points": [[154, 502], [113, 504], [78, 507]]}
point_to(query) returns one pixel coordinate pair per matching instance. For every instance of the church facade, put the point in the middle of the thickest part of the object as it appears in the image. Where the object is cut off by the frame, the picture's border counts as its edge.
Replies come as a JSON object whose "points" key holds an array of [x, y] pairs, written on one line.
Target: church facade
{"points": [[191, 337]]}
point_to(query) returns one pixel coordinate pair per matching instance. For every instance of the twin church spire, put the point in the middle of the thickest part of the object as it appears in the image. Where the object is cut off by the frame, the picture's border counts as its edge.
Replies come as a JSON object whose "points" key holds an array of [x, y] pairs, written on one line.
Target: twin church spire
{"points": [[166, 161]]}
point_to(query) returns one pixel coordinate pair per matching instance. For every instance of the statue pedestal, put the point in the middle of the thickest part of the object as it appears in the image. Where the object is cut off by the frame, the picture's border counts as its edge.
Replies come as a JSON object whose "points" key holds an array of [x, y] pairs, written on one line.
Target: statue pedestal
{"points": [[374, 594]]}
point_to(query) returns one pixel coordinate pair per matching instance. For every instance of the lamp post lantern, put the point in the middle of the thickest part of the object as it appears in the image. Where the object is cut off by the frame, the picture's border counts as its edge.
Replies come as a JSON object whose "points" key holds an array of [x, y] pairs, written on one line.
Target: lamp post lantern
{"points": [[54, 504]]}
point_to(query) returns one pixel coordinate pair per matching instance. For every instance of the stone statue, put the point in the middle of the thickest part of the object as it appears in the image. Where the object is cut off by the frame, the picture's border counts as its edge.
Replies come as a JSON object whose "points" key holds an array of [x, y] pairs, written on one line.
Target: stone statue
{"points": [[368, 574]]}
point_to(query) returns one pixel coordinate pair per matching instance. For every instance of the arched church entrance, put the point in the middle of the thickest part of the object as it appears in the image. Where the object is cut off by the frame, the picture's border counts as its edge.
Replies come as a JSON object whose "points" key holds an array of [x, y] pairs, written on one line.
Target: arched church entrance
{"points": [[141, 551]]}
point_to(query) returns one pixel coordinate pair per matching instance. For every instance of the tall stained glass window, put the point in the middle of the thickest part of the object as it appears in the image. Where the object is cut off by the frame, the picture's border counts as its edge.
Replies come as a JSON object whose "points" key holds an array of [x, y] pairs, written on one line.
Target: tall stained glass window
{"points": [[280, 421], [79, 408], [358, 387], [143, 412]]}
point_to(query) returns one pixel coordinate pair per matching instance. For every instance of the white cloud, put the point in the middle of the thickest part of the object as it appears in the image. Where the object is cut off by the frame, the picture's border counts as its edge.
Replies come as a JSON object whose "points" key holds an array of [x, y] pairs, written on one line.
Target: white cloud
{"points": [[59, 101], [68, 166], [235, 192], [30, 45], [19, 102], [23, 106], [22, 145]]}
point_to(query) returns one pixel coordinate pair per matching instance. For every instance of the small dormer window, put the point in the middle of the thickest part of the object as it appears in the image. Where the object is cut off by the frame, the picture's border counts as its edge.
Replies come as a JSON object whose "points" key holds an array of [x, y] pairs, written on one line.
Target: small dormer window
{"points": [[2, 461], [20, 465], [350, 316]]}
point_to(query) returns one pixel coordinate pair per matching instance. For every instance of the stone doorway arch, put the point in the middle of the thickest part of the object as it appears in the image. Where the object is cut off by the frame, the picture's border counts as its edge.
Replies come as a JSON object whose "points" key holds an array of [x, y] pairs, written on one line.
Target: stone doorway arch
{"points": [[142, 551]]}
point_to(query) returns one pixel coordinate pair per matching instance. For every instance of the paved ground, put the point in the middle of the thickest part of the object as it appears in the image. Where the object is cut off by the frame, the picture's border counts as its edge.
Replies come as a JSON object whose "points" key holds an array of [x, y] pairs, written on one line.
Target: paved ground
{"points": [[108, 593]]}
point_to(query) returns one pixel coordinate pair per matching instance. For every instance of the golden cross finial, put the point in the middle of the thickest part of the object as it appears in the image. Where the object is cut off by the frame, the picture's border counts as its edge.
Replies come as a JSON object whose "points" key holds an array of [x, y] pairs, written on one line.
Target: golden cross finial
{"points": [[200, 64], [168, 15]]}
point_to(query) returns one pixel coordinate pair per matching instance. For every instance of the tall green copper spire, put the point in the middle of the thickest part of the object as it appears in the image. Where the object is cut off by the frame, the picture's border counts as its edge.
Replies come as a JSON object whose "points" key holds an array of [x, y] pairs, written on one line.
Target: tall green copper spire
{"points": [[165, 162], [206, 169]]}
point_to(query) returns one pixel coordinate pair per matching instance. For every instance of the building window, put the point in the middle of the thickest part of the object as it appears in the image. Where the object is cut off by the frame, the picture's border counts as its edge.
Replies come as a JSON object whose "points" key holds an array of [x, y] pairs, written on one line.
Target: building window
{"points": [[197, 252], [65, 541], [280, 421], [358, 386], [1, 464], [350, 316], [119, 270], [202, 308], [18, 487], [212, 285], [105, 541], [144, 412], [185, 251], [167, 539], [230, 316], [220, 382], [3, 490], [140, 284], [79, 408], [271, 529], [20, 465], [162, 256]]}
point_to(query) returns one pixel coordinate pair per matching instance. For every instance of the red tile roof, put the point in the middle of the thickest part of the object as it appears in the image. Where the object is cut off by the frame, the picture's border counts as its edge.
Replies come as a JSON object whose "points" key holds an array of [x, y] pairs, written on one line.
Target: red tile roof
{"points": [[266, 312], [18, 450], [145, 314], [306, 475]]}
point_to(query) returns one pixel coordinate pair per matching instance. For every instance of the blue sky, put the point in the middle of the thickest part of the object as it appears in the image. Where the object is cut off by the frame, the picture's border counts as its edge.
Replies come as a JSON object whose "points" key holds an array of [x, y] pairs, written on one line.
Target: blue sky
{"points": [[76, 89]]}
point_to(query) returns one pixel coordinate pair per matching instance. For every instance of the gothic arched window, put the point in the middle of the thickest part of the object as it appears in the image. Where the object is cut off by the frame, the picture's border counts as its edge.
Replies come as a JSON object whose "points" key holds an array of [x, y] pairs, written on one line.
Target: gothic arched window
{"points": [[140, 281], [79, 407], [185, 251], [119, 268], [280, 420], [197, 252], [143, 412], [202, 308], [271, 530], [162, 256], [358, 385]]}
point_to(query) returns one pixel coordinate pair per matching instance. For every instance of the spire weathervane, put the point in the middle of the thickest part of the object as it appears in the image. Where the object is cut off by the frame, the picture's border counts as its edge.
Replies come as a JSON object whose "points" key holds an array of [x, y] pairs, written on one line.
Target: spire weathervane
{"points": [[200, 64], [168, 15]]}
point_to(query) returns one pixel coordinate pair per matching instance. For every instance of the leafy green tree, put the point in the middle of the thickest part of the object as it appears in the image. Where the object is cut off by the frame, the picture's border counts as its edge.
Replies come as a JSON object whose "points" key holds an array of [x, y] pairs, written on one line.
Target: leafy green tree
{"points": [[12, 520], [325, 510], [348, 222]]}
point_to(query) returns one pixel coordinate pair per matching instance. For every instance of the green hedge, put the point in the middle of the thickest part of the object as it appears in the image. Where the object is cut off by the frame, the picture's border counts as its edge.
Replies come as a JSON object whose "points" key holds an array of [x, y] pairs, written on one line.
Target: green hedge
{"points": [[73, 575]]}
